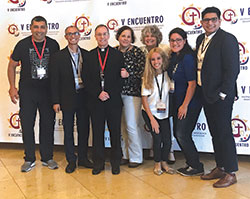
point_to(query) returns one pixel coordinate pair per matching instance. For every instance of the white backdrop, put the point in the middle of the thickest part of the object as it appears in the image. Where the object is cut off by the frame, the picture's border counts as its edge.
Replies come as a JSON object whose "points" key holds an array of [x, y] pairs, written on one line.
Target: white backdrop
{"points": [[15, 17]]}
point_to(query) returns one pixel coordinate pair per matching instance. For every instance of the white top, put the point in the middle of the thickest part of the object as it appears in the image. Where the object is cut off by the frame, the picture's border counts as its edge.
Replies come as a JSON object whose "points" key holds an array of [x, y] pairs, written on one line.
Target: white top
{"points": [[154, 97], [77, 67]]}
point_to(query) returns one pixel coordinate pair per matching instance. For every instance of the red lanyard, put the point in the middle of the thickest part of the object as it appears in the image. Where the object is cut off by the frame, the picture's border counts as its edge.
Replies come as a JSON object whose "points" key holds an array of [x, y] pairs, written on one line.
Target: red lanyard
{"points": [[40, 56], [105, 59]]}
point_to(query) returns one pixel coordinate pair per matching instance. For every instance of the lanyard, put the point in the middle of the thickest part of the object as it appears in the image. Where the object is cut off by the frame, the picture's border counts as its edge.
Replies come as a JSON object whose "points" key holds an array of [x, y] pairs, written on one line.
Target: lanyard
{"points": [[40, 56], [105, 59], [75, 66], [202, 45], [160, 89], [174, 70]]}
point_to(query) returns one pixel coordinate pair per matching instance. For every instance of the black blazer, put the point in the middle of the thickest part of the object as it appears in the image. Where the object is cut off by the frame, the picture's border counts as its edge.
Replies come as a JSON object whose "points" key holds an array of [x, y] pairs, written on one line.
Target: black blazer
{"points": [[112, 74], [221, 66], [63, 90]]}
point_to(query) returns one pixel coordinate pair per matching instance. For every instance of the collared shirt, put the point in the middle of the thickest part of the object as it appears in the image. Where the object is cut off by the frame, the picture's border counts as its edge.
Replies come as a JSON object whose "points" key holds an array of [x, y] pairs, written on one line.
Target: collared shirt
{"points": [[76, 61], [201, 54]]}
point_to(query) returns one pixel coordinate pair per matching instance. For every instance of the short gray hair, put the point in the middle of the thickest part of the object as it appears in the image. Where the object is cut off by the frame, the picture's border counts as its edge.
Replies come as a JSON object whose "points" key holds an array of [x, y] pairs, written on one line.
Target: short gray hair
{"points": [[71, 26]]}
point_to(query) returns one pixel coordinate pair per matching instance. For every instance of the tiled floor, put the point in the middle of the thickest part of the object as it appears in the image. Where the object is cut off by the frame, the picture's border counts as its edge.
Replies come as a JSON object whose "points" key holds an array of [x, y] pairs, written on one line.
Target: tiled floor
{"points": [[138, 183]]}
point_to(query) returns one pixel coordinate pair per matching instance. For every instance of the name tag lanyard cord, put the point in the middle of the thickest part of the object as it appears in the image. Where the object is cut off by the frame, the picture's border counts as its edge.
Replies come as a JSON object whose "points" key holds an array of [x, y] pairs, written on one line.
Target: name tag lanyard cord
{"points": [[76, 66], [174, 70], [157, 83], [203, 49], [102, 64], [40, 56]]}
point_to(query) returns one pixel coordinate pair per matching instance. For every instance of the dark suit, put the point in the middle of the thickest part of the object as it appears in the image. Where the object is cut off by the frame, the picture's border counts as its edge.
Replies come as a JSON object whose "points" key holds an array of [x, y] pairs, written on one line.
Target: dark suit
{"points": [[219, 72], [109, 110], [72, 102]]}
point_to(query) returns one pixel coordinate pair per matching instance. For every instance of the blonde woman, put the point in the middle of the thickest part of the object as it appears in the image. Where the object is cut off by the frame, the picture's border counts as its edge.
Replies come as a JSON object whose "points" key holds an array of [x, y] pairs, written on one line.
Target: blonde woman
{"points": [[155, 101], [151, 37]]}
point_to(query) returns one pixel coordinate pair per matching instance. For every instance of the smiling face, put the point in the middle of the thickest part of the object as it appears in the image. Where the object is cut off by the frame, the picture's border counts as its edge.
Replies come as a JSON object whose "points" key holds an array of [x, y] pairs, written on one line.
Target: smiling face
{"points": [[72, 36], [176, 42], [150, 41], [125, 39], [102, 36], [38, 30], [156, 62], [210, 23]]}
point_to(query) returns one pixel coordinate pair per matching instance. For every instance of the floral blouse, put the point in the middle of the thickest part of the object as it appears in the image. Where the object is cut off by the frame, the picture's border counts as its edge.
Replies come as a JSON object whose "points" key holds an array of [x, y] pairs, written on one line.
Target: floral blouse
{"points": [[134, 64]]}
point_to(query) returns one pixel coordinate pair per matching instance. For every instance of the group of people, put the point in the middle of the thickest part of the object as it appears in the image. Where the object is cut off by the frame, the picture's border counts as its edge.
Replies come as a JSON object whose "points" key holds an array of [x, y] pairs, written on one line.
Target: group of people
{"points": [[106, 83]]}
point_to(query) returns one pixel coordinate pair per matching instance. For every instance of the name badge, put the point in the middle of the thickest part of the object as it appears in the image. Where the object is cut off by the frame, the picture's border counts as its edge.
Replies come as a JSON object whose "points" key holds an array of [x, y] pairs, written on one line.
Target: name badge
{"points": [[161, 107], [79, 80], [102, 80], [102, 84], [171, 86], [41, 72]]}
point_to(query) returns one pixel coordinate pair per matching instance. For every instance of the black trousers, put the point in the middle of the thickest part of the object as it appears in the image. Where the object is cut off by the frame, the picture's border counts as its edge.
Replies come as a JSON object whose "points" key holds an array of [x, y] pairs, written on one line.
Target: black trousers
{"points": [[162, 141], [219, 115], [183, 130], [33, 99], [81, 112], [99, 115]]}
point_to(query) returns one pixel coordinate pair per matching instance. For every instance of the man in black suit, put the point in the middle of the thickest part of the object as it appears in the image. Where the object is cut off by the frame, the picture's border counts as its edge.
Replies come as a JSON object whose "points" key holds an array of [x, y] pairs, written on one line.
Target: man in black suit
{"points": [[217, 71], [102, 78], [69, 95]]}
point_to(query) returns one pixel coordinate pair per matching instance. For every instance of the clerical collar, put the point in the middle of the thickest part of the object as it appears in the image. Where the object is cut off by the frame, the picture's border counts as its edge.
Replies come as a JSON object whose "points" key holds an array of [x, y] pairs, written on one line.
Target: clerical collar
{"points": [[103, 49]]}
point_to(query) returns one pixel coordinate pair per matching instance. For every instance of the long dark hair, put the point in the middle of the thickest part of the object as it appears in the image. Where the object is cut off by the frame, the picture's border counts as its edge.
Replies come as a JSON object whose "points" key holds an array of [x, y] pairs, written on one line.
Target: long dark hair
{"points": [[174, 58]]}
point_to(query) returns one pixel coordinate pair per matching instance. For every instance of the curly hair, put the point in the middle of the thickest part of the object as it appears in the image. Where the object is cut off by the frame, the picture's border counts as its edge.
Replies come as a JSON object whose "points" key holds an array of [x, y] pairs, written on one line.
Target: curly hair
{"points": [[154, 30], [150, 72]]}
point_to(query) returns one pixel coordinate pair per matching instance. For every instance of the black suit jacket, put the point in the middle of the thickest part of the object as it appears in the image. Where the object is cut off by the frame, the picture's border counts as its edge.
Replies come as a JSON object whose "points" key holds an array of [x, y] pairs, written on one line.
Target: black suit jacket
{"points": [[63, 90], [221, 65], [113, 80]]}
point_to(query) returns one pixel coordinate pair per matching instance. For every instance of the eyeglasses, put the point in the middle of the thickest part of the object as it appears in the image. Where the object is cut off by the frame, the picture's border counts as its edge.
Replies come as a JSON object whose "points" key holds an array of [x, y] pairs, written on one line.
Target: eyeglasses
{"points": [[213, 20], [178, 40], [102, 34], [72, 33]]}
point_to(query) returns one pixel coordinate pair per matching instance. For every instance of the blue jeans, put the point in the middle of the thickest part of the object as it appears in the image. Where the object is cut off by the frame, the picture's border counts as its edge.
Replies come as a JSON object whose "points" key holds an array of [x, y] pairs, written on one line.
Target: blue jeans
{"points": [[183, 133]]}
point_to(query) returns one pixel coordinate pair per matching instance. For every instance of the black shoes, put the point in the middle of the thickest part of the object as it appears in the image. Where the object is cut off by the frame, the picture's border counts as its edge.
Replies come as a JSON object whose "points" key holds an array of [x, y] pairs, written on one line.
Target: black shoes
{"points": [[133, 164], [124, 161], [189, 171], [85, 163], [70, 167], [115, 170], [97, 170]]}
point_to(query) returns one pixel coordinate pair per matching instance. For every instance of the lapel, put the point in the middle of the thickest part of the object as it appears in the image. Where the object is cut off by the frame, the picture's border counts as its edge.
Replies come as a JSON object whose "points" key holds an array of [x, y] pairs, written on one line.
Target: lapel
{"points": [[213, 43], [95, 61], [200, 40], [68, 64]]}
